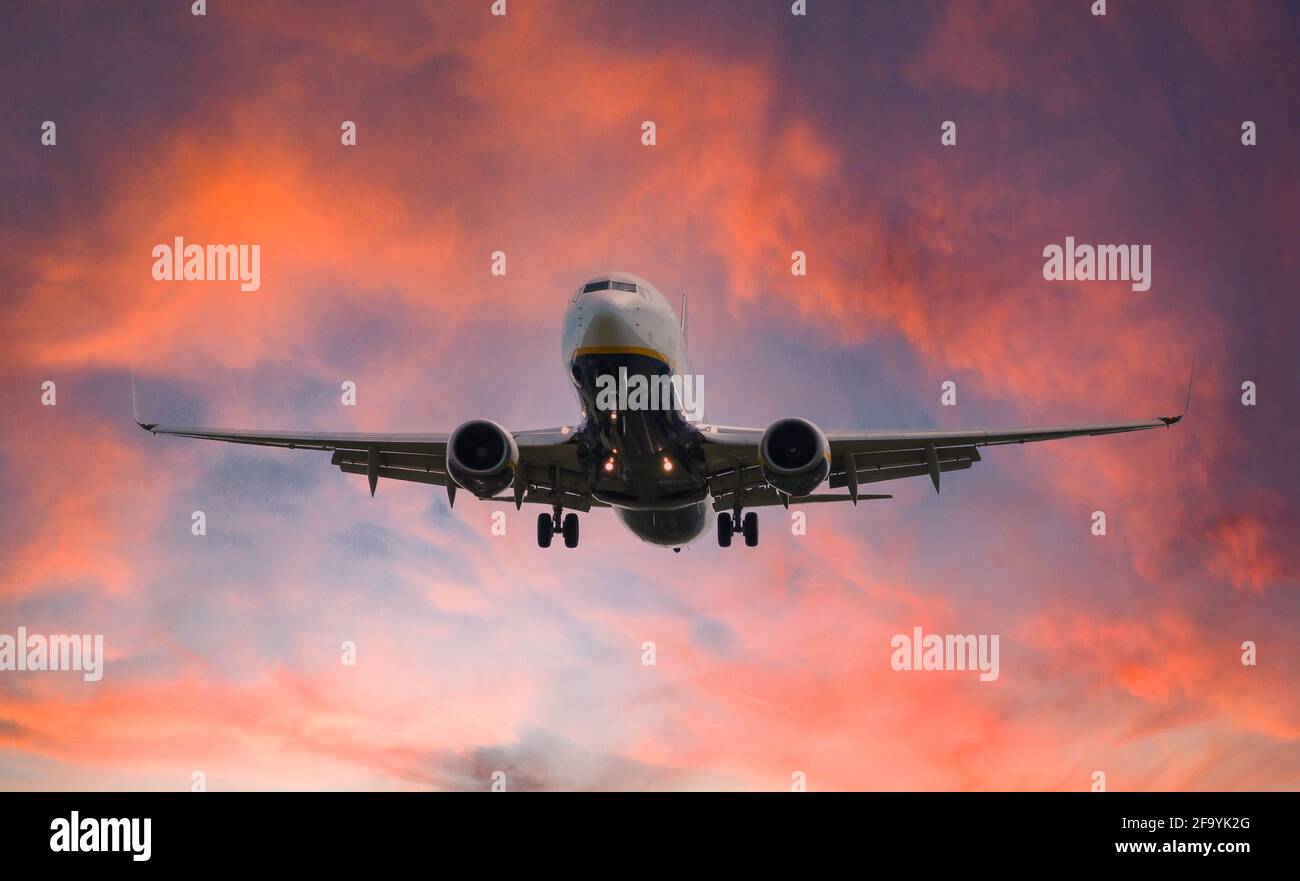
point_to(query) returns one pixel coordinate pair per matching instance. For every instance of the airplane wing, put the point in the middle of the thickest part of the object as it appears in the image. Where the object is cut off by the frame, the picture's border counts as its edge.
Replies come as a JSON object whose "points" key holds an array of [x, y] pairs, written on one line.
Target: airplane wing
{"points": [[862, 457], [548, 461]]}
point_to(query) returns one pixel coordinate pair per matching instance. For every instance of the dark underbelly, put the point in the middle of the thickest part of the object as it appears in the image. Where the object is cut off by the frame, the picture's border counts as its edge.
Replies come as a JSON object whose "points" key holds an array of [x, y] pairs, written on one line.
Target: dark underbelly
{"points": [[671, 528]]}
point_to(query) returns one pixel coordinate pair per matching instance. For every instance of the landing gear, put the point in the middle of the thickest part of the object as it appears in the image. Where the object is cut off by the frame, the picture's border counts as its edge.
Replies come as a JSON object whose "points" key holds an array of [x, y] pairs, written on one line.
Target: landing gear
{"points": [[730, 524], [565, 524]]}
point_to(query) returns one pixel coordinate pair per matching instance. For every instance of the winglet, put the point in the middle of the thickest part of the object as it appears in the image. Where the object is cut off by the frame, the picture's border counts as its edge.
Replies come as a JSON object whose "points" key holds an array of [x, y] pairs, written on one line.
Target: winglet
{"points": [[1174, 420], [135, 410]]}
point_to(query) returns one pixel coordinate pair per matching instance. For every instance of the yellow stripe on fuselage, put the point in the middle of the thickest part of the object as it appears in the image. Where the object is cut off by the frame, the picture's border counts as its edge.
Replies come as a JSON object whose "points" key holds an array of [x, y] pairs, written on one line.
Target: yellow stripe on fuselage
{"points": [[624, 350]]}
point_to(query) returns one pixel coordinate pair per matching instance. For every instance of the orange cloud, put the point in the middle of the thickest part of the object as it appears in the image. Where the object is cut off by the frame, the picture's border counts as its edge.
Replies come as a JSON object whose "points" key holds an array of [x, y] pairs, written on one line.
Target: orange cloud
{"points": [[477, 135]]}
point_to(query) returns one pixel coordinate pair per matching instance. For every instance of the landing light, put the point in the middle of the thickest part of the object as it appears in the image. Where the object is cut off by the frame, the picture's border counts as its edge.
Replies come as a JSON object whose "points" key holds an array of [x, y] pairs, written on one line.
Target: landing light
{"points": [[609, 464], [668, 464]]}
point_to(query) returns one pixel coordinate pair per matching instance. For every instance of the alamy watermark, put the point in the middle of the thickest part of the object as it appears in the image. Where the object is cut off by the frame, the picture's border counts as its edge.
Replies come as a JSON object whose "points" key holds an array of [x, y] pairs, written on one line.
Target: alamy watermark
{"points": [[952, 651], [78, 834], [181, 262], [59, 651], [659, 392], [1131, 263]]}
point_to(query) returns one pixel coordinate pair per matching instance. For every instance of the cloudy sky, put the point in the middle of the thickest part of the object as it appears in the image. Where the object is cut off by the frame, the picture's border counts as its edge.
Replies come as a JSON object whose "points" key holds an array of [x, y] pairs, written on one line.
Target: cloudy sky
{"points": [[522, 133]]}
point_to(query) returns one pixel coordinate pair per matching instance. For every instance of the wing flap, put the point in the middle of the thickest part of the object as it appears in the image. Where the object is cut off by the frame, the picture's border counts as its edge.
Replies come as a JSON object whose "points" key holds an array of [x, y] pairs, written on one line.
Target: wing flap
{"points": [[874, 475], [572, 501], [387, 459], [430, 477], [895, 465], [767, 497]]}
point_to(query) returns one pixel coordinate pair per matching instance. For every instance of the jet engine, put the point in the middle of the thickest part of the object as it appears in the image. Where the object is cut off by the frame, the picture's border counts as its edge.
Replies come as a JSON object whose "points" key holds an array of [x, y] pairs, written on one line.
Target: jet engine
{"points": [[482, 457], [796, 456]]}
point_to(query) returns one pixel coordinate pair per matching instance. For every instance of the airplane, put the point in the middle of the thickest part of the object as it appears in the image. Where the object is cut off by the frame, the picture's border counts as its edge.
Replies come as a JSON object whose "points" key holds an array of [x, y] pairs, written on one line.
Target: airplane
{"points": [[663, 474]]}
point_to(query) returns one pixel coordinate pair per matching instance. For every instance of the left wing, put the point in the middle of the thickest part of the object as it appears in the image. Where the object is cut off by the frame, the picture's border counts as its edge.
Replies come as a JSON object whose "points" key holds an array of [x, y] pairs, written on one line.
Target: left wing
{"points": [[861, 457]]}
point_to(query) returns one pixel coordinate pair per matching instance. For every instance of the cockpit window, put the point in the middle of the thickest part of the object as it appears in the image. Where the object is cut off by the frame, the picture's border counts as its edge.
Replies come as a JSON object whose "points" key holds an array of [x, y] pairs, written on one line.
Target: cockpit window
{"points": [[607, 284]]}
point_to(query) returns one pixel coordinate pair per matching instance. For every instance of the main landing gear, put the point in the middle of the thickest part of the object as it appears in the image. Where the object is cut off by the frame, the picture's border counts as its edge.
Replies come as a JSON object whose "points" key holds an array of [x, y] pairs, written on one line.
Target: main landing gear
{"points": [[549, 524], [729, 525]]}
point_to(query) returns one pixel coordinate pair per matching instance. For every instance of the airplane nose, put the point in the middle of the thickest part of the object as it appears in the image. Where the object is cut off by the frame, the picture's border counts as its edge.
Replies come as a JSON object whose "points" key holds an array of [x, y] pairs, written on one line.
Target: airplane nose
{"points": [[607, 326]]}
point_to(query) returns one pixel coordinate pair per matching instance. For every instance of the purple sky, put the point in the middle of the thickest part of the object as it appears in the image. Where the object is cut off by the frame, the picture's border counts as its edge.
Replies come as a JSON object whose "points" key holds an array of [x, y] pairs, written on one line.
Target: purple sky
{"points": [[522, 133]]}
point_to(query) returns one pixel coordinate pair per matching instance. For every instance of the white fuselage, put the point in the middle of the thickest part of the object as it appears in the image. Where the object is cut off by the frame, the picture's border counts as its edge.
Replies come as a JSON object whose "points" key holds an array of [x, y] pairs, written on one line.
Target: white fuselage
{"points": [[620, 321], [644, 461]]}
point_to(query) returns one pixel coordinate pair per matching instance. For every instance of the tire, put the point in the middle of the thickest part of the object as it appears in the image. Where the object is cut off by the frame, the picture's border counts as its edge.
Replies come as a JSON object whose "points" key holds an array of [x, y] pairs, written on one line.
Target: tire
{"points": [[751, 529], [570, 530], [545, 530], [724, 530]]}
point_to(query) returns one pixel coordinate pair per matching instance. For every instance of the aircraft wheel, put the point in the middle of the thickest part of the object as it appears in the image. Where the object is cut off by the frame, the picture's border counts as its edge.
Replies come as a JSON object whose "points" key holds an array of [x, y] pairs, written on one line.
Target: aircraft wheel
{"points": [[570, 530], [724, 530], [751, 529], [545, 529]]}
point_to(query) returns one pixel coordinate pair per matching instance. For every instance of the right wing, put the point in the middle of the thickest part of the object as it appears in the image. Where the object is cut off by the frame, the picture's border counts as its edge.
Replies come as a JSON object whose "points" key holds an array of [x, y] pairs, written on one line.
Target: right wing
{"points": [[734, 468], [862, 457]]}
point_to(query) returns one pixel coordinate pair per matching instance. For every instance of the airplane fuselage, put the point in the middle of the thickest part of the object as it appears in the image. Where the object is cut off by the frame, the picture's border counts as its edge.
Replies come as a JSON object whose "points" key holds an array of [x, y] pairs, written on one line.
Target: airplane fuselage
{"points": [[643, 461]]}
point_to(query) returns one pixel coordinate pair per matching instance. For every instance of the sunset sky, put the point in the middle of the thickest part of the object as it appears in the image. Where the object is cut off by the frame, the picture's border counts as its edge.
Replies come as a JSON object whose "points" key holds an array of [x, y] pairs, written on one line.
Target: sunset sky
{"points": [[522, 133]]}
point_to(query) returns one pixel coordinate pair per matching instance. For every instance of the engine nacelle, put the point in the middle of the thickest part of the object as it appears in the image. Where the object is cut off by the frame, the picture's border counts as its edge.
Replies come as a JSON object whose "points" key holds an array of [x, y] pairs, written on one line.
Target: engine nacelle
{"points": [[795, 455], [482, 457]]}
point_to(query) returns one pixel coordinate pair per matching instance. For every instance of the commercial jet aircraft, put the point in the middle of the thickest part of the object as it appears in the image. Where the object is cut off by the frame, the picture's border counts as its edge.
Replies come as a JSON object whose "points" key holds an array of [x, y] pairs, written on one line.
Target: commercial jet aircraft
{"points": [[663, 474]]}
